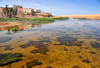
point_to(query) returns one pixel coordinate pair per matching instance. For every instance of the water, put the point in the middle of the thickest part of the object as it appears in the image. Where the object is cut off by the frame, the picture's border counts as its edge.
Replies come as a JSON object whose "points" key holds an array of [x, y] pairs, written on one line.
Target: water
{"points": [[61, 44]]}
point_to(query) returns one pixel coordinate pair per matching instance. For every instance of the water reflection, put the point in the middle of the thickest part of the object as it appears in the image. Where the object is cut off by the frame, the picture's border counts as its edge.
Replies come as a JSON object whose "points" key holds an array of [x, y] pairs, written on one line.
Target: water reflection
{"points": [[69, 43], [20, 27]]}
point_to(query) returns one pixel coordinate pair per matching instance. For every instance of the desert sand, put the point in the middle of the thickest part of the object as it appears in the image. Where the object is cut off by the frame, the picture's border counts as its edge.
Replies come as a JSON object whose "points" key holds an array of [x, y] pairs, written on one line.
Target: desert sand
{"points": [[88, 16]]}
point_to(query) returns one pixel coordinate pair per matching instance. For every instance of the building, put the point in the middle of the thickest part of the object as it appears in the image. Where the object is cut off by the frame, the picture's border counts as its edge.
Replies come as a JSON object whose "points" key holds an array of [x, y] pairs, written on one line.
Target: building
{"points": [[16, 7], [42, 12], [20, 9], [1, 8], [38, 11], [26, 10]]}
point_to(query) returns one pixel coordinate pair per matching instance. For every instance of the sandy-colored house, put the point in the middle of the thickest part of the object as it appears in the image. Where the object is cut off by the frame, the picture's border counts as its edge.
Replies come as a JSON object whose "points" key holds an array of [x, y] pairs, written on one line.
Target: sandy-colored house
{"points": [[1, 8], [26, 10], [16, 7]]}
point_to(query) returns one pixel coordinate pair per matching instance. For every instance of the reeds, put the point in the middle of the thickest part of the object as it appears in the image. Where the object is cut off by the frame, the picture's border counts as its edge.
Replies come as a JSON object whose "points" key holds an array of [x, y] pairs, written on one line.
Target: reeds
{"points": [[61, 18], [27, 19]]}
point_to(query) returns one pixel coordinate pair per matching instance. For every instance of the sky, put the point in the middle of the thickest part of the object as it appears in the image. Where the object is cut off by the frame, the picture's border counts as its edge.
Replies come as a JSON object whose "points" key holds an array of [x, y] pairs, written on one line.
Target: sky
{"points": [[58, 7]]}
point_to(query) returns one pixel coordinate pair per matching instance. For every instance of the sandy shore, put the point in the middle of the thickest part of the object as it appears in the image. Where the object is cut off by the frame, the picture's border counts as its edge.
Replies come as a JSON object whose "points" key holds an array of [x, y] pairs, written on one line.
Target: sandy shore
{"points": [[88, 16]]}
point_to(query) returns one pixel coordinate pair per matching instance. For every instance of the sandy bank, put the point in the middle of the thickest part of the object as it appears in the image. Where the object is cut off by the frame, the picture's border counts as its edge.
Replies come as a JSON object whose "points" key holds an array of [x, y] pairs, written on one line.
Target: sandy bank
{"points": [[88, 16]]}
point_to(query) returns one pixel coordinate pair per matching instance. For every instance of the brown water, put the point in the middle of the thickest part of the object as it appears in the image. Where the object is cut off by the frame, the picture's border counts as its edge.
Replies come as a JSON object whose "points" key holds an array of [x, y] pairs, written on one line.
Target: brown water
{"points": [[61, 44]]}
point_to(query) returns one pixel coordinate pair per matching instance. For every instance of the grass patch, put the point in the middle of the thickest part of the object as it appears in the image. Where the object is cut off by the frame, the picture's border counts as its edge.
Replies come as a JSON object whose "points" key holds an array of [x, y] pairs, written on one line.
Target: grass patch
{"points": [[61, 18], [81, 18], [28, 19], [14, 29], [33, 20], [8, 58]]}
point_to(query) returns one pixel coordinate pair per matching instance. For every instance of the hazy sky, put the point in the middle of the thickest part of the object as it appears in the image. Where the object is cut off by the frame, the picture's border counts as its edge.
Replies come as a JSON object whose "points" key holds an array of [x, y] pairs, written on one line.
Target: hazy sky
{"points": [[58, 7]]}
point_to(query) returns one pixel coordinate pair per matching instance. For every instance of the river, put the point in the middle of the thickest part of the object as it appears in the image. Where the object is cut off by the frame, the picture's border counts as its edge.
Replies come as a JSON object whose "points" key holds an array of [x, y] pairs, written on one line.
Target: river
{"points": [[61, 44]]}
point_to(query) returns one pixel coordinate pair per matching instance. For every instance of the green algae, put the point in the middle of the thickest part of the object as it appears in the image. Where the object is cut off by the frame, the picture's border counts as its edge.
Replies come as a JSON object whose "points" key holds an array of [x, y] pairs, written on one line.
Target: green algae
{"points": [[41, 48], [86, 60], [95, 45], [33, 63], [9, 58], [92, 52], [8, 47]]}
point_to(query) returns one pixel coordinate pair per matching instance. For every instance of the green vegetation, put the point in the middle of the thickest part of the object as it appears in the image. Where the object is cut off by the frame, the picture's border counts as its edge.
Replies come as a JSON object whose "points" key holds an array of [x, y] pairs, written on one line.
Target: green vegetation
{"points": [[28, 19], [9, 12], [68, 41], [80, 18], [14, 29], [33, 63], [39, 20], [9, 58], [61, 18]]}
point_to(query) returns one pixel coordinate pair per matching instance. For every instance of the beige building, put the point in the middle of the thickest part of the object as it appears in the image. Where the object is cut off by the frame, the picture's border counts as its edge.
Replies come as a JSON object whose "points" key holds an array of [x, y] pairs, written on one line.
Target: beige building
{"points": [[16, 7], [1, 8], [26, 10]]}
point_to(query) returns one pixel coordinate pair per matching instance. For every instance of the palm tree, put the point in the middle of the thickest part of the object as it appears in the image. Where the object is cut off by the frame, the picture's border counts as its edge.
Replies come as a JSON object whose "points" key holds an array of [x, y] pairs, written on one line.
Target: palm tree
{"points": [[6, 11], [6, 5], [9, 12]]}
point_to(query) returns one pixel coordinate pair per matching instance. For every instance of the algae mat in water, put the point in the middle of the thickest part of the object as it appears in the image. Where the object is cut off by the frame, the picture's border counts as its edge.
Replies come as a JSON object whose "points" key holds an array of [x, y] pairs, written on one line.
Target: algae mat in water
{"points": [[4, 39], [9, 58], [68, 41]]}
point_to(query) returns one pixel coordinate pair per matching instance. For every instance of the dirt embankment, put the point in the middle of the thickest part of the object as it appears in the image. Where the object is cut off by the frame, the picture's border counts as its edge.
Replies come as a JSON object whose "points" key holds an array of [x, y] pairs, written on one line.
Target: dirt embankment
{"points": [[88, 16]]}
